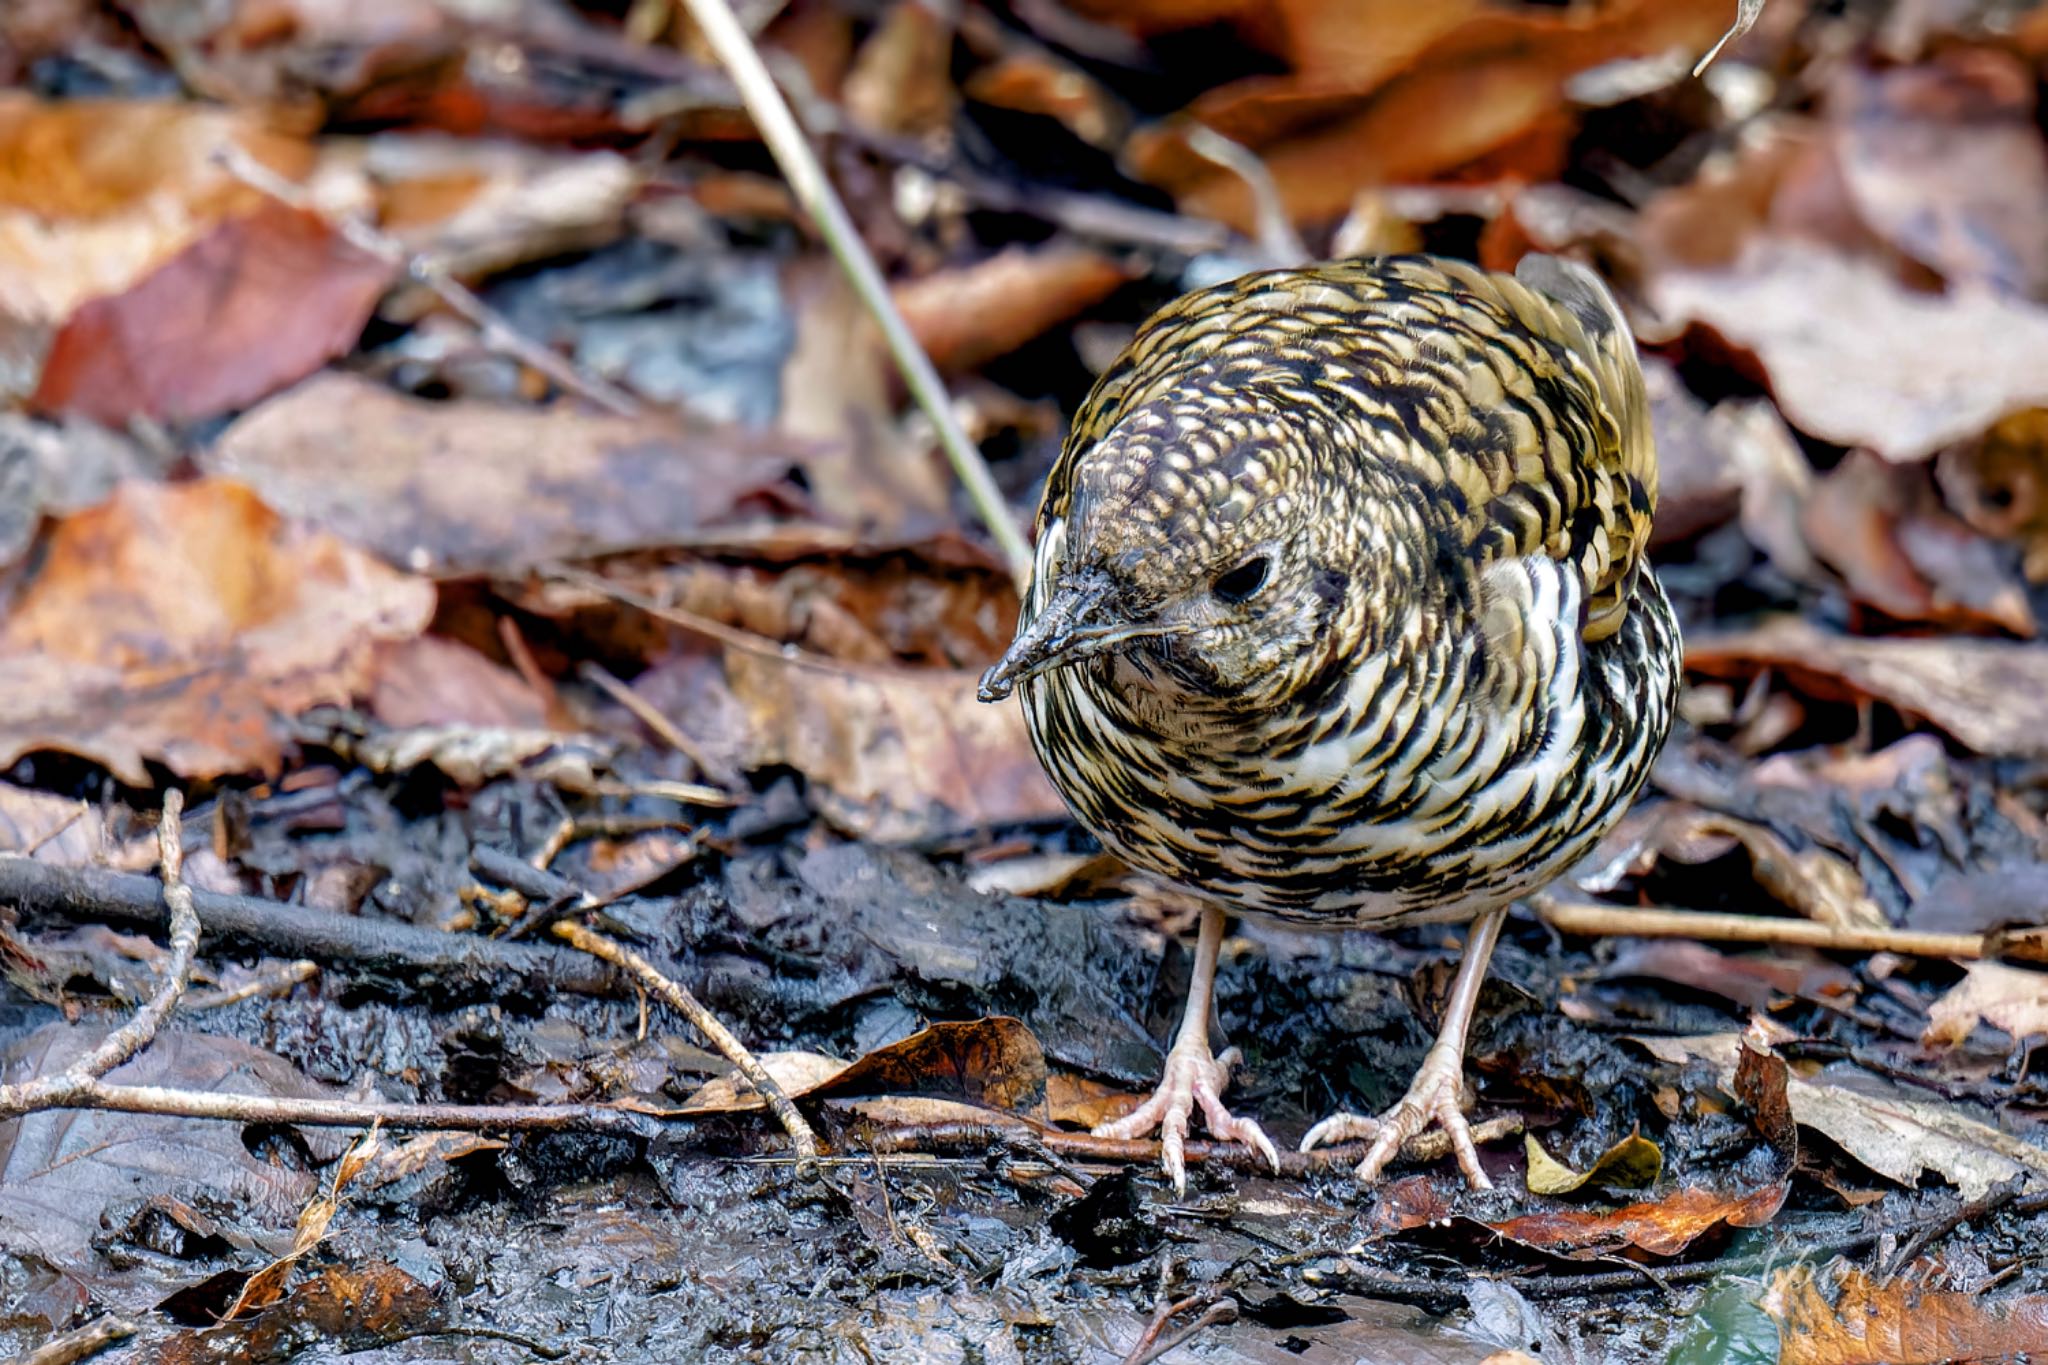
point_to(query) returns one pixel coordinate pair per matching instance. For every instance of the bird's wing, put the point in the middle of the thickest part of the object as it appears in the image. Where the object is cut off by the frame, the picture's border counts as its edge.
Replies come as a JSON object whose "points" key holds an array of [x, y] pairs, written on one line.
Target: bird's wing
{"points": [[1602, 523]]}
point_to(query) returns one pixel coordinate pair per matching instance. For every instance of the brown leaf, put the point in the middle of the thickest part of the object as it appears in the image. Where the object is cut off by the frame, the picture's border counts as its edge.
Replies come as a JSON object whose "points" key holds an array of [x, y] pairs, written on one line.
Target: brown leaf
{"points": [[1903, 1322], [1899, 1138], [432, 681], [1945, 162], [993, 1063], [1990, 694], [1857, 358], [902, 82], [258, 303], [1880, 526], [1663, 1227], [967, 317], [1429, 102], [474, 487], [178, 623], [96, 194], [2010, 999], [891, 754]]}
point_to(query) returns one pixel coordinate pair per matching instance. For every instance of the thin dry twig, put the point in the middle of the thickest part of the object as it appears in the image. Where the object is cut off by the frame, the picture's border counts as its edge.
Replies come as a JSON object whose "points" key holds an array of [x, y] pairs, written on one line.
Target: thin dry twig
{"points": [[83, 1076], [1150, 1347], [495, 329], [1746, 15], [682, 1002], [1274, 229], [734, 47], [648, 715], [1615, 921], [1433, 1145], [78, 1344], [456, 962]]}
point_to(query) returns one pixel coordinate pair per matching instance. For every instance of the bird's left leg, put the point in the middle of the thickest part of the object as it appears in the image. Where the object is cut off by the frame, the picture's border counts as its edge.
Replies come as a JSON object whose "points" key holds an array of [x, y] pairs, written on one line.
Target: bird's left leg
{"points": [[1194, 1075], [1435, 1094]]}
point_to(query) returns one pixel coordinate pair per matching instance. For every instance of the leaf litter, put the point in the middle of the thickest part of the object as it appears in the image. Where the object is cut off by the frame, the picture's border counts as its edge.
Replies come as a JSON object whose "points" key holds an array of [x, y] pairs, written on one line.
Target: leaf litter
{"points": [[443, 651]]}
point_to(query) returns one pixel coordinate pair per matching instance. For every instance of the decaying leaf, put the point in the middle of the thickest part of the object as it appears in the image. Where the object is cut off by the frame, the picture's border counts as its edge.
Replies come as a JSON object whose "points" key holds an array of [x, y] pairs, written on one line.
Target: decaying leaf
{"points": [[1899, 1138], [1878, 365], [1842, 1316], [258, 303], [180, 623], [96, 194], [485, 488], [1990, 694], [992, 1063], [968, 317], [1635, 1162], [2011, 999], [892, 754], [1662, 1227]]}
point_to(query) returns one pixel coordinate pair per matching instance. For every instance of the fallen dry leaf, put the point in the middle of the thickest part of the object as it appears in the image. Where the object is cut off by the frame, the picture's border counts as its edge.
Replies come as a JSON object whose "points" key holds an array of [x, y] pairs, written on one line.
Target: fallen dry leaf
{"points": [[178, 623], [474, 487], [1882, 528], [259, 303], [2011, 999], [1898, 1138], [966, 317], [95, 194], [1945, 161], [1844, 1317], [1990, 694], [992, 1063], [1874, 364], [891, 754], [1635, 1162], [1452, 84], [1662, 1227]]}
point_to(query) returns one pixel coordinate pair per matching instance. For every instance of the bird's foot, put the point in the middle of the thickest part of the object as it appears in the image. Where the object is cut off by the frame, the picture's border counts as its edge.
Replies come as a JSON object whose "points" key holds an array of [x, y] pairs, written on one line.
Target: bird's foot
{"points": [[1435, 1096], [1193, 1076]]}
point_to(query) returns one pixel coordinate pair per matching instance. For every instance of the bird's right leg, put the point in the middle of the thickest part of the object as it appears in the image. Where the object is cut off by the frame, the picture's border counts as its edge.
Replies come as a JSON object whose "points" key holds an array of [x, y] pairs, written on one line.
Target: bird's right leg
{"points": [[1194, 1075]]}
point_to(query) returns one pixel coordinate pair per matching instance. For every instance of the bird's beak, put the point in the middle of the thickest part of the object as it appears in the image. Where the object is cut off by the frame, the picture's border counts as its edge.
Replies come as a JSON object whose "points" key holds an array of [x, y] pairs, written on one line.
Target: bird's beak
{"points": [[1074, 625]]}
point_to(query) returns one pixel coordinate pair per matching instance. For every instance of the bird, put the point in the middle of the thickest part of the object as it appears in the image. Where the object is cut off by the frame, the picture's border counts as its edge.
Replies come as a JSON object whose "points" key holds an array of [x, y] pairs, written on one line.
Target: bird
{"points": [[1339, 615]]}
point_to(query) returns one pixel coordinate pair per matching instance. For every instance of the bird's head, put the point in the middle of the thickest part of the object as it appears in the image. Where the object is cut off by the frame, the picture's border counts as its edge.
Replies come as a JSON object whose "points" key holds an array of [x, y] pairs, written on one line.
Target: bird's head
{"points": [[1199, 551]]}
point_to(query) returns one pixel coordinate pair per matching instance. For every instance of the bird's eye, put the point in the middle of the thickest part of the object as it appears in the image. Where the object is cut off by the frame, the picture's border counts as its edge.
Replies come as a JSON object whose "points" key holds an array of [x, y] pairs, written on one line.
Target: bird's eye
{"points": [[1243, 581]]}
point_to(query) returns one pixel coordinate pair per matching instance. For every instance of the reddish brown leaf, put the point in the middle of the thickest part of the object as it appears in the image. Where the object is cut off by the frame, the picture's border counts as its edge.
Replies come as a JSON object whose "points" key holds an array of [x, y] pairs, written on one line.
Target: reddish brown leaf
{"points": [[1990, 694], [1439, 100], [1662, 1227], [178, 623], [1878, 364], [95, 194], [258, 303], [486, 488], [993, 1063], [1847, 1318], [967, 317]]}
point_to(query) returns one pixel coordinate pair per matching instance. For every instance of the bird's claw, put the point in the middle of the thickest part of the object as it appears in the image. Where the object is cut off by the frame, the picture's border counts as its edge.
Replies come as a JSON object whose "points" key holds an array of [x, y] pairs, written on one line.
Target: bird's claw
{"points": [[1193, 1076], [1436, 1096]]}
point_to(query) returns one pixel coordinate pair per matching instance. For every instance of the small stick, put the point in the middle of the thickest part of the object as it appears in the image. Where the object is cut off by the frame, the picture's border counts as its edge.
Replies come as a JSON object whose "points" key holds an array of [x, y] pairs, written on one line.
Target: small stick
{"points": [[1149, 1347], [735, 50], [83, 1075], [493, 326], [1613, 921], [646, 713], [456, 962], [1275, 230], [1747, 12], [682, 1002], [78, 1343]]}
